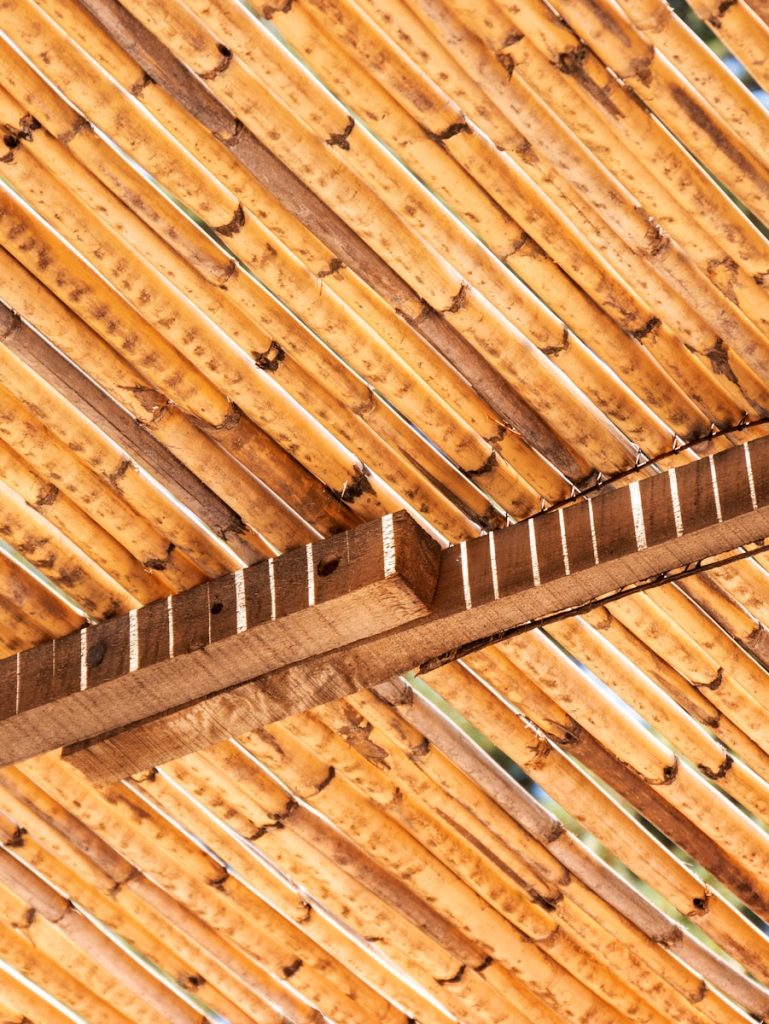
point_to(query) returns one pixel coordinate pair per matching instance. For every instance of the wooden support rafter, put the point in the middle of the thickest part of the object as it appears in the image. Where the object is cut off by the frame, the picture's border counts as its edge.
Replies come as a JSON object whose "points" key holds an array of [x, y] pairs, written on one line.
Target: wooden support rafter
{"points": [[353, 610]]}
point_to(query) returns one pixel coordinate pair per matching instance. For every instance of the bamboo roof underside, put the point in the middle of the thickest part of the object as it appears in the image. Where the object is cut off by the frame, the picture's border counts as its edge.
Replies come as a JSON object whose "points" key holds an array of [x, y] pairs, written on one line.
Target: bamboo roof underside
{"points": [[267, 273]]}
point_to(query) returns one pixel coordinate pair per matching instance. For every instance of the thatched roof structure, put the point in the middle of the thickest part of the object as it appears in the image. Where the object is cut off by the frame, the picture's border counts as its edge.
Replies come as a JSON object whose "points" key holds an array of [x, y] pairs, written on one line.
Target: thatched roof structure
{"points": [[268, 274]]}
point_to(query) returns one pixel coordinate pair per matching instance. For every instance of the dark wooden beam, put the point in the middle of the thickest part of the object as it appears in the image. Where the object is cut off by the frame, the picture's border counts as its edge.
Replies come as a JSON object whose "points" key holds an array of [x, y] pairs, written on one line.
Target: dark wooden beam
{"points": [[354, 610]]}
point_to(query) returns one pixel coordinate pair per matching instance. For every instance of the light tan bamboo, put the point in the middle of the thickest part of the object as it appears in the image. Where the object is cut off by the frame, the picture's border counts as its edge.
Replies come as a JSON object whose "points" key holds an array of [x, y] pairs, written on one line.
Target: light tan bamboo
{"points": [[596, 879], [466, 449], [19, 952], [228, 367], [52, 613], [184, 438], [555, 40], [435, 280], [54, 461], [19, 630], [28, 1004], [697, 124], [287, 422], [146, 931], [704, 238], [439, 170], [662, 713], [91, 872], [410, 762], [138, 991], [742, 707], [290, 847], [693, 700], [543, 762], [219, 835], [391, 326], [693, 307], [541, 218], [46, 547], [49, 501], [391, 843], [744, 34], [467, 994], [236, 913], [121, 906], [679, 785], [35, 401]]}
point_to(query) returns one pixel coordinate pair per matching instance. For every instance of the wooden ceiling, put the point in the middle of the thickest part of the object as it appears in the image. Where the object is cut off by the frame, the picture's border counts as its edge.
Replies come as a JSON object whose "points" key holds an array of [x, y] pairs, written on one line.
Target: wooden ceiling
{"points": [[268, 273]]}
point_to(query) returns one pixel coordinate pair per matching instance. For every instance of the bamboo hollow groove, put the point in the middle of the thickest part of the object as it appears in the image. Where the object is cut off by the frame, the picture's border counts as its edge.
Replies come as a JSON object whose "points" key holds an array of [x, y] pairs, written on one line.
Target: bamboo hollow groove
{"points": [[355, 609]]}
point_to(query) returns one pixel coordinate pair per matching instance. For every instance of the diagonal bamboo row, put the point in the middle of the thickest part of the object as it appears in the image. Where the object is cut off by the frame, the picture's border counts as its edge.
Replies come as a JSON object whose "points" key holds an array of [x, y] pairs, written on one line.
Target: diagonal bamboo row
{"points": [[544, 763], [409, 758], [159, 64], [31, 401], [694, 307], [615, 108], [61, 925], [218, 835], [241, 917], [696, 123], [392, 844], [441, 287], [52, 460], [461, 753], [447, 967], [742, 31], [235, 374], [21, 588], [439, 170], [287, 421], [19, 952], [28, 1005], [187, 439], [674, 783], [289, 847], [467, 450], [369, 166], [91, 872], [144, 932], [58, 558], [46, 498], [541, 218], [711, 254]]}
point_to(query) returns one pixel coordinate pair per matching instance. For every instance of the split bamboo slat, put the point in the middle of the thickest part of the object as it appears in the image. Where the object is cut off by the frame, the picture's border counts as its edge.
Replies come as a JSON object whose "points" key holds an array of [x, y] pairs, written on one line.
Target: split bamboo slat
{"points": [[269, 273]]}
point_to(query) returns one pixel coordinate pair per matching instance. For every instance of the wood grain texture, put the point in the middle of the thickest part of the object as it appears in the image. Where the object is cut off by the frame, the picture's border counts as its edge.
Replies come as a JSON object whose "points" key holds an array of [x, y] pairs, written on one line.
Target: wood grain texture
{"points": [[180, 649], [560, 560]]}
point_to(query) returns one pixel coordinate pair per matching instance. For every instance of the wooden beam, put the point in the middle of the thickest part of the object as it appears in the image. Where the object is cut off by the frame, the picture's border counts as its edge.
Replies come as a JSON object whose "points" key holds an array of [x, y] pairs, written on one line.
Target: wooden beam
{"points": [[319, 622]]}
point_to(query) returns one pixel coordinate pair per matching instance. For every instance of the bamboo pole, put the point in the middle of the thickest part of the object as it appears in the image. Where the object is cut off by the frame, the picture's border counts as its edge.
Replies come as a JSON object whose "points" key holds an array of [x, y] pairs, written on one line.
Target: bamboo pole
{"points": [[543, 762], [46, 498], [22, 588], [46, 547], [91, 872], [290, 849], [467, 450], [462, 753], [533, 210], [27, 1004], [188, 440], [743, 32], [245, 921], [412, 761], [678, 105], [243, 91]]}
